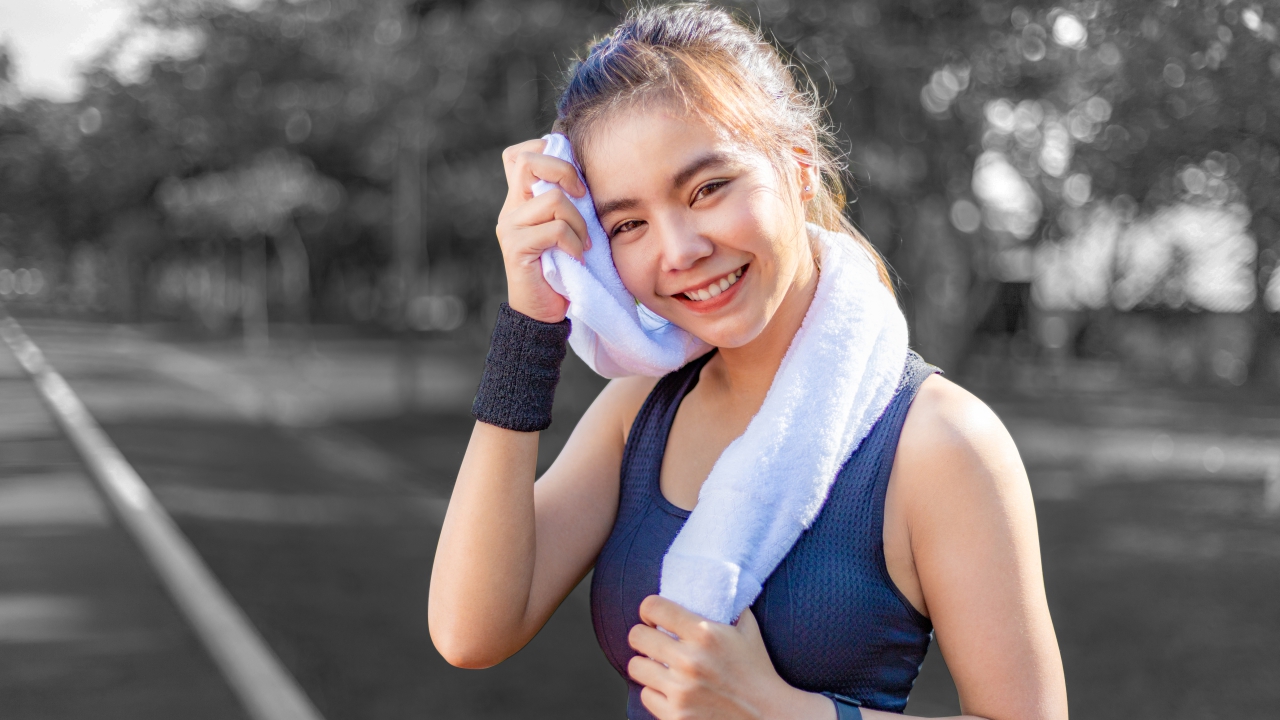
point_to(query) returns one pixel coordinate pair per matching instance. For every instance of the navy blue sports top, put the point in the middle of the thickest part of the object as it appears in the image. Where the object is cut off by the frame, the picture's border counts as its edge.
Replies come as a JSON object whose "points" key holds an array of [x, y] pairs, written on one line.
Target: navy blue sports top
{"points": [[831, 617]]}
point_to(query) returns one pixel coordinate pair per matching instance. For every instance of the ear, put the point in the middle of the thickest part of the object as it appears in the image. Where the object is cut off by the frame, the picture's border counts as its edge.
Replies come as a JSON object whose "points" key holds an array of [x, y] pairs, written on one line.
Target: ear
{"points": [[806, 176]]}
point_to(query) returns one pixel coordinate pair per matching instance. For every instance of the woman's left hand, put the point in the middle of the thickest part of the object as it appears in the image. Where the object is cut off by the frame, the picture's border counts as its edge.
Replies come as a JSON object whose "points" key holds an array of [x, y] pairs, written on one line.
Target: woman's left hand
{"points": [[711, 670]]}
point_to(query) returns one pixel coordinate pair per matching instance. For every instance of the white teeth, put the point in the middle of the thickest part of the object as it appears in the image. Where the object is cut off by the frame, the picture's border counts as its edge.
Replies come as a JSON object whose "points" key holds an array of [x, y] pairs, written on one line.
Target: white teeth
{"points": [[715, 288]]}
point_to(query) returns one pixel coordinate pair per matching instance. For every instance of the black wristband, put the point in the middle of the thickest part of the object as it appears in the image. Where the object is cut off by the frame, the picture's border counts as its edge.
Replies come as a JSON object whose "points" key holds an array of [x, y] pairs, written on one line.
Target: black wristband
{"points": [[521, 372]]}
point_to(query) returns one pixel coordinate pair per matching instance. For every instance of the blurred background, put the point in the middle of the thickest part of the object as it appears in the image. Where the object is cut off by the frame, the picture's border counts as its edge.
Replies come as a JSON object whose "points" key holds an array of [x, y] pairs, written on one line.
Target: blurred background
{"points": [[256, 238]]}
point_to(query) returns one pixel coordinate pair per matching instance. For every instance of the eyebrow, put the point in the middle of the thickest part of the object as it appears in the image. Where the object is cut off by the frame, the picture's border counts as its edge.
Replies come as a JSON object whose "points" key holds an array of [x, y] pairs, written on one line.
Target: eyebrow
{"points": [[698, 165], [680, 178], [616, 205]]}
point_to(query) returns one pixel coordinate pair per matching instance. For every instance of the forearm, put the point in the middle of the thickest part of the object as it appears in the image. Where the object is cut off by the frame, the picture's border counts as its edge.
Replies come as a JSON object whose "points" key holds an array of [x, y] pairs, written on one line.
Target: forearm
{"points": [[484, 566], [484, 562], [801, 705], [882, 715]]}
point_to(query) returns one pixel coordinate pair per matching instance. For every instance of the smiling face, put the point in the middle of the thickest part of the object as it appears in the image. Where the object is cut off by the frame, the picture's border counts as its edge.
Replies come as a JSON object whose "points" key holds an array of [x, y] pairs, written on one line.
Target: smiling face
{"points": [[704, 233]]}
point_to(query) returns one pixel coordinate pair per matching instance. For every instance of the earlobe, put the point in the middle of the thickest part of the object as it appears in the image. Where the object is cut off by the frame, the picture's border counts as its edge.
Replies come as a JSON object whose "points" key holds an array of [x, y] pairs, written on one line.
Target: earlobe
{"points": [[806, 174], [807, 192]]}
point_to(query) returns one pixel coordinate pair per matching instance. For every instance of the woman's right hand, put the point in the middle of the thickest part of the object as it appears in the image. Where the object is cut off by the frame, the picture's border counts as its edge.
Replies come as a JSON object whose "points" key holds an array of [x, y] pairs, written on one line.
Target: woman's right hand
{"points": [[529, 225]]}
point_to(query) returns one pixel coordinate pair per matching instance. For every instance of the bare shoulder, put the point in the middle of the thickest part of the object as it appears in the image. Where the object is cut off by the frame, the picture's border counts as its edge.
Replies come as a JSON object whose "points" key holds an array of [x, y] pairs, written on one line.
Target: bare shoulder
{"points": [[952, 444], [968, 518], [948, 417]]}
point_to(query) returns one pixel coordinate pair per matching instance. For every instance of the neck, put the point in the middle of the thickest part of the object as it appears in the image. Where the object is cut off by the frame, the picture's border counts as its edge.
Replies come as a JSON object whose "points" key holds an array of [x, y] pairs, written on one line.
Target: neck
{"points": [[747, 371]]}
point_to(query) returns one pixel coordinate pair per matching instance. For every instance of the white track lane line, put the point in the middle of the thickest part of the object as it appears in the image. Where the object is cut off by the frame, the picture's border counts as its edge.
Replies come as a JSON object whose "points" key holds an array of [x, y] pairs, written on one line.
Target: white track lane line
{"points": [[266, 689]]}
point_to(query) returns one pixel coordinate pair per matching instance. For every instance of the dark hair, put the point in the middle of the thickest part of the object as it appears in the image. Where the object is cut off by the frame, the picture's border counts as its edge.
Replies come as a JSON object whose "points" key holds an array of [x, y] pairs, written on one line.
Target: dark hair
{"points": [[720, 70]]}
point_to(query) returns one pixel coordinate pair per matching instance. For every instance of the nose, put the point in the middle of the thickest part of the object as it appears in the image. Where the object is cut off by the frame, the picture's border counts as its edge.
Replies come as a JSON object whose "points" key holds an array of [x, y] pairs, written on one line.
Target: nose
{"points": [[682, 245]]}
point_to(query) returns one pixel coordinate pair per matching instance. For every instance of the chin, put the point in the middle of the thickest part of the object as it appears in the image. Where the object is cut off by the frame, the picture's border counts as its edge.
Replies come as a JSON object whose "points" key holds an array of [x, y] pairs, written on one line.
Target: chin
{"points": [[727, 332]]}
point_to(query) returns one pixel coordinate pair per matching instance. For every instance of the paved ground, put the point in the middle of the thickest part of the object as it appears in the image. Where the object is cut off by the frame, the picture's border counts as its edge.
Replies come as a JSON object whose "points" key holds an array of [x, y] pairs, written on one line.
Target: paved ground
{"points": [[316, 502], [85, 628], [323, 539]]}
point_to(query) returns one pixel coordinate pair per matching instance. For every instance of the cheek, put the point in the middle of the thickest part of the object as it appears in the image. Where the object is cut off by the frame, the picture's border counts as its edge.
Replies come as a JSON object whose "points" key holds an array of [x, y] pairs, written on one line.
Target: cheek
{"points": [[765, 215], [637, 269], [767, 224]]}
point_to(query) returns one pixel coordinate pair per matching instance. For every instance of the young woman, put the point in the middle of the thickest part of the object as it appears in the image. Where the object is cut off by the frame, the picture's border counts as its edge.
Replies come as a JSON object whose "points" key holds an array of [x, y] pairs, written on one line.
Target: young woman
{"points": [[705, 162]]}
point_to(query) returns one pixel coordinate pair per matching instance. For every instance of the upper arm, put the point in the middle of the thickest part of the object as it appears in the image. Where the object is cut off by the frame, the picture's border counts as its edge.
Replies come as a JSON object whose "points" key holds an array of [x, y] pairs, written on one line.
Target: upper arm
{"points": [[576, 500], [976, 551]]}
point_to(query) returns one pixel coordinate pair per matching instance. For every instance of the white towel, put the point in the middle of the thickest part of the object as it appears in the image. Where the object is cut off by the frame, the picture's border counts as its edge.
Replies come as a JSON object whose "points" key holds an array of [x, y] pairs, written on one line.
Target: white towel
{"points": [[838, 376], [612, 332]]}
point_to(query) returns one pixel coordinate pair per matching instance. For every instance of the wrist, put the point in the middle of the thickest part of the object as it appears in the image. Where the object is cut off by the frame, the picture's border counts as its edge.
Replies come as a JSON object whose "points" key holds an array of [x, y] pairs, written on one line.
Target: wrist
{"points": [[797, 704], [540, 312], [529, 294], [846, 708]]}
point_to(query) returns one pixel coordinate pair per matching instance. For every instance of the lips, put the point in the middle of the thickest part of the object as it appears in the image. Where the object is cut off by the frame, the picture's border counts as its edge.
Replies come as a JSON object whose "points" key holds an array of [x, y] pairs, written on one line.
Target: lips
{"points": [[716, 298], [715, 287]]}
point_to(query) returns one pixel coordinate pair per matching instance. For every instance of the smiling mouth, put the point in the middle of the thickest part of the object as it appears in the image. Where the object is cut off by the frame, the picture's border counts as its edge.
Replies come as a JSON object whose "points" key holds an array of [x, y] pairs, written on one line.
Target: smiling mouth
{"points": [[715, 287]]}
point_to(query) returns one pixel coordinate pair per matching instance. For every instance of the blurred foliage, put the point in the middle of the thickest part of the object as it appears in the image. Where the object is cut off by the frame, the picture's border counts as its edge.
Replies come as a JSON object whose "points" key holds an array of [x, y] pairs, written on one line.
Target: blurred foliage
{"points": [[980, 129], [984, 138], [197, 93]]}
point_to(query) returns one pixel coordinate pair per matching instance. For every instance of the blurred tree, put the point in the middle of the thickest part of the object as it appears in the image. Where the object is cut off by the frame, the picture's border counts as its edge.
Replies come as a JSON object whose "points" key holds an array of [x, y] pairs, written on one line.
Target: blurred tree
{"points": [[979, 129], [407, 105], [253, 203], [981, 135], [6, 65]]}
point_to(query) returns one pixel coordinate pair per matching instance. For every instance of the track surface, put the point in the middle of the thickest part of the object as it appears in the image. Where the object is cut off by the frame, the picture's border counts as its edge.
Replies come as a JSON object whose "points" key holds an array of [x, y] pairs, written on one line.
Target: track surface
{"points": [[317, 503]]}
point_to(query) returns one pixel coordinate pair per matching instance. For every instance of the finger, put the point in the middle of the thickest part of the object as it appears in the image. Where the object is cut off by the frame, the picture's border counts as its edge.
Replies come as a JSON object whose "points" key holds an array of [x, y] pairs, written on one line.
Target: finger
{"points": [[510, 163], [550, 207], [529, 167], [648, 672], [568, 212], [652, 643], [657, 611], [656, 703], [568, 241], [509, 157], [554, 234], [536, 145]]}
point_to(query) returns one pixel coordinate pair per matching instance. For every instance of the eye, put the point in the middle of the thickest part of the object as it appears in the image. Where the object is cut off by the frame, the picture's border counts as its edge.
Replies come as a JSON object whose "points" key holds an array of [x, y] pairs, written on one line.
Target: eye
{"points": [[625, 227], [708, 189]]}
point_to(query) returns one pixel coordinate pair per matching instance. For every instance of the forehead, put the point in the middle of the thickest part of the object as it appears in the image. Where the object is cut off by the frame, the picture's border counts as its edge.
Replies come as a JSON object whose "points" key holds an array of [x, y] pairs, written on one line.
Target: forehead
{"points": [[640, 149]]}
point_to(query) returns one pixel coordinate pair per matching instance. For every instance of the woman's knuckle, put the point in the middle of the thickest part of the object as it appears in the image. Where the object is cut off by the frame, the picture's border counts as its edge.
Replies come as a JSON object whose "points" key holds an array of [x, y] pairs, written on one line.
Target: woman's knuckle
{"points": [[689, 662], [686, 701]]}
